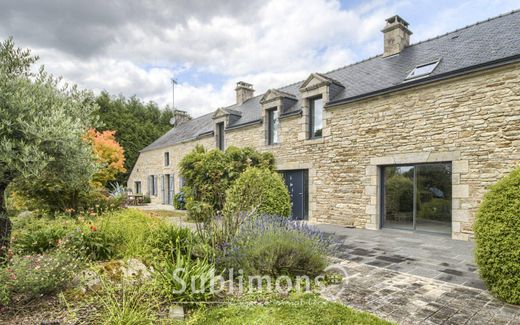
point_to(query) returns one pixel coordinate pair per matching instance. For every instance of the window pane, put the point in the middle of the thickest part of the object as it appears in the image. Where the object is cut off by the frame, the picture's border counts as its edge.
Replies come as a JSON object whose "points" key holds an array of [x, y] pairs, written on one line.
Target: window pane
{"points": [[275, 126], [272, 126], [422, 70], [220, 136], [316, 117], [398, 197], [434, 198]]}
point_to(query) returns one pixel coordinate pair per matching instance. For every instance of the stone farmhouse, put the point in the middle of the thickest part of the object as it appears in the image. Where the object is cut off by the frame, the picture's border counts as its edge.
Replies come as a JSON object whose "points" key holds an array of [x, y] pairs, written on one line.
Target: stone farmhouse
{"points": [[409, 139]]}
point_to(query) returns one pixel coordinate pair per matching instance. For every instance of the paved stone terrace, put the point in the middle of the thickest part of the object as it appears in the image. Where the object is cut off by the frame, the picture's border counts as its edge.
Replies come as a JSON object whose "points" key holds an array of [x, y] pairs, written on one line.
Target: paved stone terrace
{"points": [[414, 278], [432, 256], [410, 299]]}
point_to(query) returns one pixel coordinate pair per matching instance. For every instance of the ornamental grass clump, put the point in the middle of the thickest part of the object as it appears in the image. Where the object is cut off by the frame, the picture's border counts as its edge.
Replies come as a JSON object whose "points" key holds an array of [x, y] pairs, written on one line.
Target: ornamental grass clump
{"points": [[181, 278]]}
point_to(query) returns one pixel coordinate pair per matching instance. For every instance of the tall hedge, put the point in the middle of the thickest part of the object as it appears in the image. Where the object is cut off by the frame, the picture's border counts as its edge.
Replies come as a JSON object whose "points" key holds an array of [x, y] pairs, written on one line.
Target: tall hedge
{"points": [[497, 231], [258, 191]]}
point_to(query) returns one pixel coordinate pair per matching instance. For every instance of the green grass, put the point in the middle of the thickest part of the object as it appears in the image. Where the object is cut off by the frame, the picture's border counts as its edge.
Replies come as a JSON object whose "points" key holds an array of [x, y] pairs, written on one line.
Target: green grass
{"points": [[301, 311], [167, 214]]}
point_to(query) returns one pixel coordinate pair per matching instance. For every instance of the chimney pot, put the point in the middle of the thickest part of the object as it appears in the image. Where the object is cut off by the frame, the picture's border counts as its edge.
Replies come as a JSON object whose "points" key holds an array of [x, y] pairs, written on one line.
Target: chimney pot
{"points": [[244, 91], [396, 34]]}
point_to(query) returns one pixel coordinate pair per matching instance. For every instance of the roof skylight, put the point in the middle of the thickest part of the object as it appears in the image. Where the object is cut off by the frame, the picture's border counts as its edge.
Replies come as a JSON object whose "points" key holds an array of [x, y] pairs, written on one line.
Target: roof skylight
{"points": [[422, 70]]}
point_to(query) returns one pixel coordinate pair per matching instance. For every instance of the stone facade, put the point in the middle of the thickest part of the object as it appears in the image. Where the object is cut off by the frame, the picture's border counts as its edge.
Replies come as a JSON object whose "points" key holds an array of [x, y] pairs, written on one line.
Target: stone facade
{"points": [[472, 121]]}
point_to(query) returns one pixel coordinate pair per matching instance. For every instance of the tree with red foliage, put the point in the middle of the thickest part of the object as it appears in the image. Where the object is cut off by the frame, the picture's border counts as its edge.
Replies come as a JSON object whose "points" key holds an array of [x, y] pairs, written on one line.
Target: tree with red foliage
{"points": [[109, 154]]}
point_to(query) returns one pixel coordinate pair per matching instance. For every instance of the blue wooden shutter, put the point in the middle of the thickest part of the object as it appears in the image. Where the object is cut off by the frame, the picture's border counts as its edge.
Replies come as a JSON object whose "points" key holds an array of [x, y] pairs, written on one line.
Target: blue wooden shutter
{"points": [[155, 185], [172, 190], [163, 194]]}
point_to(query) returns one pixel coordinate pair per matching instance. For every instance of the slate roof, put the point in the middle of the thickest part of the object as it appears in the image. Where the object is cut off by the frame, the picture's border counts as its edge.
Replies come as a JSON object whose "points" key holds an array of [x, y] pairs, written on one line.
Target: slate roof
{"points": [[484, 43]]}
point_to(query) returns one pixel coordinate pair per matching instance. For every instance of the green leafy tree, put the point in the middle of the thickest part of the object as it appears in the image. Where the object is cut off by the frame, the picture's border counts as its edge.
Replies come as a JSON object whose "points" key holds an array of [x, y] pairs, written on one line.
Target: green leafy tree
{"points": [[41, 125], [208, 174], [136, 125]]}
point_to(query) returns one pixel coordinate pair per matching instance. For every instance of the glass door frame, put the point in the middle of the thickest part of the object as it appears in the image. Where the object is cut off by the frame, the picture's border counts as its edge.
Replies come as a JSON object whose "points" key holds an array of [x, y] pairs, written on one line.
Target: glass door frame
{"points": [[414, 213]]}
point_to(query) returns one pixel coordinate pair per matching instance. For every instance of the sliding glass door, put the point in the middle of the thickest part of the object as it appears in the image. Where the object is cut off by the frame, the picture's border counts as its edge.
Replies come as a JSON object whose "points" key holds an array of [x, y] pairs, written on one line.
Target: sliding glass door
{"points": [[417, 197]]}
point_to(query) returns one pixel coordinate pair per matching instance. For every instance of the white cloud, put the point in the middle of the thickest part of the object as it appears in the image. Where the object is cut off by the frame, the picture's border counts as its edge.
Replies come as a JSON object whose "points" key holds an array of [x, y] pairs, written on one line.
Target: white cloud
{"points": [[269, 44]]}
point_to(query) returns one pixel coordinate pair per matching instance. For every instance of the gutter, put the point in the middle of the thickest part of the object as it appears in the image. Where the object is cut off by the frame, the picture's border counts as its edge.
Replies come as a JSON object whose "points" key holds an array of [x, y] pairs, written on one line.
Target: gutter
{"points": [[293, 113], [427, 80]]}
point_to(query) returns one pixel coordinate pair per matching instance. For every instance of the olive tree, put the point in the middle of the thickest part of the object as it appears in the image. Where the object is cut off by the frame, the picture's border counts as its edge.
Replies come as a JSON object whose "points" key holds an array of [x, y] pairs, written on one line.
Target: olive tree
{"points": [[42, 121]]}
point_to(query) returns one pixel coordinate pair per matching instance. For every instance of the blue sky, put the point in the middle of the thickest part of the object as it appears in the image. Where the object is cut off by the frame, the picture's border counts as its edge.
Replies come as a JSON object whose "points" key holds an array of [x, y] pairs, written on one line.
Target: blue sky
{"points": [[134, 47]]}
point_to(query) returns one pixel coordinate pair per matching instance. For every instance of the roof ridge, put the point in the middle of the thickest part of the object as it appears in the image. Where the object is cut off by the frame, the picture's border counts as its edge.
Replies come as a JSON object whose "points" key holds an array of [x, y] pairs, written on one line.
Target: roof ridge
{"points": [[334, 70], [428, 39], [378, 55], [195, 118], [466, 27]]}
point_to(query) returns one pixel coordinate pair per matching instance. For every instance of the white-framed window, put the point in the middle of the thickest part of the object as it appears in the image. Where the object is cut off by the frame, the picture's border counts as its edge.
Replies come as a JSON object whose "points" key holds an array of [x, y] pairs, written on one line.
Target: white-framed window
{"points": [[422, 70]]}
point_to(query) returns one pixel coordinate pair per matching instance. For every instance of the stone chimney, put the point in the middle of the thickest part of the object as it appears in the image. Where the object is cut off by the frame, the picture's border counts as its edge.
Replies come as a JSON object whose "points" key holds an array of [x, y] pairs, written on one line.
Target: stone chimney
{"points": [[397, 35], [179, 117], [244, 91]]}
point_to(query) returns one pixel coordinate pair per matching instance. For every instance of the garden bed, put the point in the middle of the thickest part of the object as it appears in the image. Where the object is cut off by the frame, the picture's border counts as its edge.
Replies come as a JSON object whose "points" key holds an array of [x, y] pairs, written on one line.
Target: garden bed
{"points": [[117, 267]]}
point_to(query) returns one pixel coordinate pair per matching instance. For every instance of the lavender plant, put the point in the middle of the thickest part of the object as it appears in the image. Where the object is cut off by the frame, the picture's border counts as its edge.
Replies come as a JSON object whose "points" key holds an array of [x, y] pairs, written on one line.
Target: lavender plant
{"points": [[272, 245]]}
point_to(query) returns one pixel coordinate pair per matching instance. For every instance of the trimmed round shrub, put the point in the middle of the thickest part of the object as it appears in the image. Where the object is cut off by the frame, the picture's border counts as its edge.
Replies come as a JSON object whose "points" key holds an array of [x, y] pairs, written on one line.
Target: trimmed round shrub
{"points": [[497, 231], [258, 191]]}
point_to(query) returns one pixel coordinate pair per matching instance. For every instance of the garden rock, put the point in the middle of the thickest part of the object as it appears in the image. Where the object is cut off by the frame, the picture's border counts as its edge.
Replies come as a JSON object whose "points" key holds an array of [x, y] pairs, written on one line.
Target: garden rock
{"points": [[176, 312], [134, 268], [90, 279], [25, 214]]}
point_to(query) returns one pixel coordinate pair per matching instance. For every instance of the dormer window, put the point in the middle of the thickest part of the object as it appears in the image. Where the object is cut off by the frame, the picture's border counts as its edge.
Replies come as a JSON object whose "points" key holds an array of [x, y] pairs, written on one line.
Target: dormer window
{"points": [[166, 159], [422, 70], [275, 104], [220, 136], [316, 91], [272, 126], [315, 117]]}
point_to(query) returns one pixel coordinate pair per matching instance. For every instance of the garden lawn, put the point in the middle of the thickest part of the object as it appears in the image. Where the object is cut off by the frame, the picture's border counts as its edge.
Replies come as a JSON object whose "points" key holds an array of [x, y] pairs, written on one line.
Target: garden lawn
{"points": [[287, 312]]}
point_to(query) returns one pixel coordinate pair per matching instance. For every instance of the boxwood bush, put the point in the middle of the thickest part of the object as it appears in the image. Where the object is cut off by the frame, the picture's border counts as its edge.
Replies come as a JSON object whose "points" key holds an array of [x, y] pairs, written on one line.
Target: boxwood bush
{"points": [[259, 191], [497, 231]]}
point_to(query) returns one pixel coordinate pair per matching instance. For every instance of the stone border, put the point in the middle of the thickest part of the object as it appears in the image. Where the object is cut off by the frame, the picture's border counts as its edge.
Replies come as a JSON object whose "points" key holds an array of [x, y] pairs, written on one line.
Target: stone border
{"points": [[460, 190]]}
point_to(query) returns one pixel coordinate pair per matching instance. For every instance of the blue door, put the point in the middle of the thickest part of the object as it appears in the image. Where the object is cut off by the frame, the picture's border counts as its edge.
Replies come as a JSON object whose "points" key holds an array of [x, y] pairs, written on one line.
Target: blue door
{"points": [[296, 182]]}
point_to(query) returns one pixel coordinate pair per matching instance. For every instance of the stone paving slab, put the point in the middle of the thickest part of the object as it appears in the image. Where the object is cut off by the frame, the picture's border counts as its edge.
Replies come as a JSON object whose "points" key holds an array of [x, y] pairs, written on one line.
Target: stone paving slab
{"points": [[432, 256], [410, 299]]}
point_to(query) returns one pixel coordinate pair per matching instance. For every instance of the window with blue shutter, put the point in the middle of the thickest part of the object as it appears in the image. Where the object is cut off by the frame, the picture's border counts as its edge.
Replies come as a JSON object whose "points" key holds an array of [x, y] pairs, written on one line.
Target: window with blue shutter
{"points": [[172, 190], [163, 185]]}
